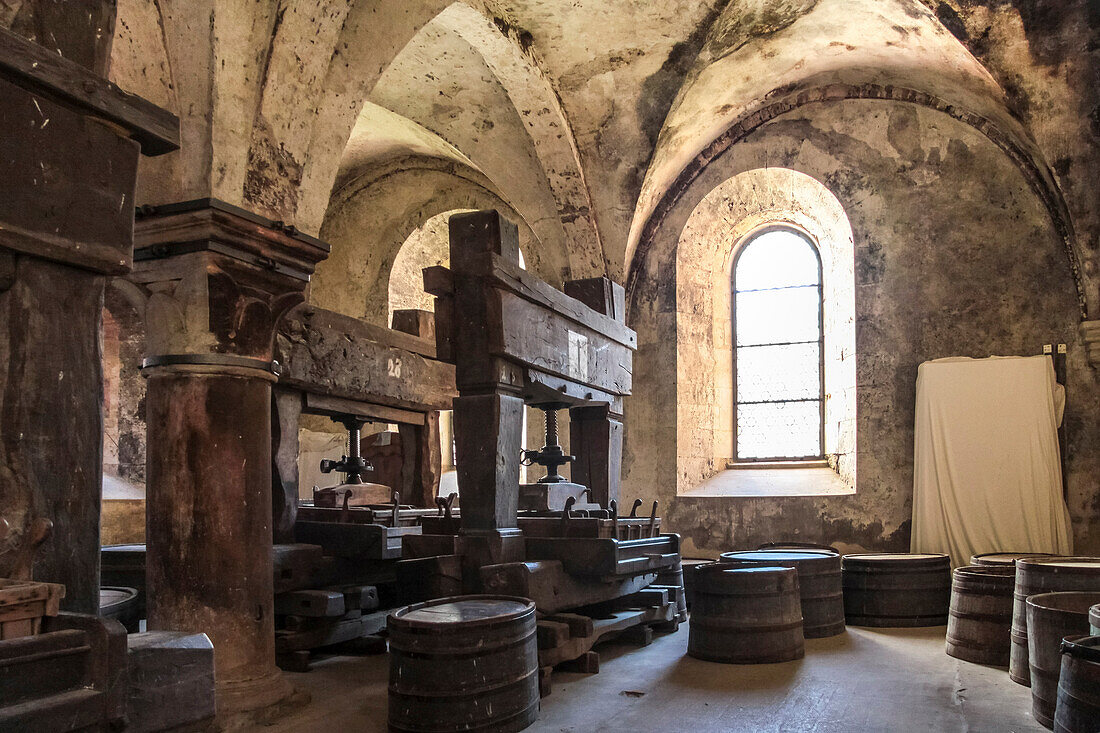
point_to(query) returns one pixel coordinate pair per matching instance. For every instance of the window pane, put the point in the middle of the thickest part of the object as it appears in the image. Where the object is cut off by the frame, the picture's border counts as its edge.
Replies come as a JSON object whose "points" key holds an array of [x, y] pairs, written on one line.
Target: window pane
{"points": [[777, 259], [769, 373], [780, 430], [778, 316]]}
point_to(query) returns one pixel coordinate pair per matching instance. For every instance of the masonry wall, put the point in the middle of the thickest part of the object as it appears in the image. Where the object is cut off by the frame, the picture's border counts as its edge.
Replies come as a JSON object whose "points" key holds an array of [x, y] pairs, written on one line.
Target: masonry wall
{"points": [[954, 256]]}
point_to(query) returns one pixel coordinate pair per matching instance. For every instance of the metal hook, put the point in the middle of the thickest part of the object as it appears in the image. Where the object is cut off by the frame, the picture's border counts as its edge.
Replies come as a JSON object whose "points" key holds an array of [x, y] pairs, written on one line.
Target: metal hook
{"points": [[613, 507], [634, 509], [653, 520]]}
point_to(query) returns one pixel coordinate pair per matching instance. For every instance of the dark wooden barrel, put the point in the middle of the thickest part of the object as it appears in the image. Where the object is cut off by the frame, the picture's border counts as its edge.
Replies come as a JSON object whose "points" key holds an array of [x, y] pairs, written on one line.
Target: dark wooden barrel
{"points": [[797, 546], [1078, 709], [674, 576], [980, 617], [120, 604], [689, 564], [819, 584], [1094, 620], [746, 613], [1050, 618], [466, 663], [896, 589], [1044, 575], [1007, 559], [123, 566]]}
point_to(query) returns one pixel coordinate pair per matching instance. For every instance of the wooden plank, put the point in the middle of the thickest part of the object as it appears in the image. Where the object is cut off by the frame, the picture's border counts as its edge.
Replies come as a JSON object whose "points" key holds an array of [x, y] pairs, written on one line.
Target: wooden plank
{"points": [[358, 329], [548, 341], [522, 283], [328, 354], [310, 603], [40, 71], [337, 633], [318, 404]]}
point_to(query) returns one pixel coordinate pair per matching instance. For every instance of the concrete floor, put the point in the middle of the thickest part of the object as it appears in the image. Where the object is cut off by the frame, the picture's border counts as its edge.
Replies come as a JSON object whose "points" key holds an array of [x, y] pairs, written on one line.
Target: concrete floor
{"points": [[864, 680]]}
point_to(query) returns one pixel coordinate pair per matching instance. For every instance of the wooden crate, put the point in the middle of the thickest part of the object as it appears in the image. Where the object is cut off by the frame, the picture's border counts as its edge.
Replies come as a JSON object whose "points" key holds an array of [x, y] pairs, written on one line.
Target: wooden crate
{"points": [[23, 605]]}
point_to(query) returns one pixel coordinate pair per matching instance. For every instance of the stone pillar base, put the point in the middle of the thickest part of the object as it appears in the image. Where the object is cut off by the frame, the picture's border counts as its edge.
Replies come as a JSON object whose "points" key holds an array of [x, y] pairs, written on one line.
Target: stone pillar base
{"points": [[245, 704]]}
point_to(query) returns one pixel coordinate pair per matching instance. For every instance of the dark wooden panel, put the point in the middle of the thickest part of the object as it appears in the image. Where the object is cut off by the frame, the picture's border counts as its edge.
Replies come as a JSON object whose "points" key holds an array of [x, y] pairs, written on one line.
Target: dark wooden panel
{"points": [[44, 72], [68, 184], [50, 395]]}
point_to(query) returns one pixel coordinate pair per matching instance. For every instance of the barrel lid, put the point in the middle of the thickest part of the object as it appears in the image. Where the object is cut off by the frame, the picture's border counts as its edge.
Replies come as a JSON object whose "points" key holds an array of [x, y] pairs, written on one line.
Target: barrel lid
{"points": [[1077, 603], [1004, 558], [123, 548], [1055, 562], [465, 610], [1082, 647], [1006, 571], [778, 555], [114, 596], [895, 556]]}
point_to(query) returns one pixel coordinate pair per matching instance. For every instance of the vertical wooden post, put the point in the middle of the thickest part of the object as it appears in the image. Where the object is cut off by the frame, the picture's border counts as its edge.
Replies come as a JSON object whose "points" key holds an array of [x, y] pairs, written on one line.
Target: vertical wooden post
{"points": [[66, 222], [596, 439]]}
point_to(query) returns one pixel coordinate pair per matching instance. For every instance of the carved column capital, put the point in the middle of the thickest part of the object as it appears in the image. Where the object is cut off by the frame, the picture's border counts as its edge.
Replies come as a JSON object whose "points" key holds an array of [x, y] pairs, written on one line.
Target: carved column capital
{"points": [[219, 279], [1090, 334]]}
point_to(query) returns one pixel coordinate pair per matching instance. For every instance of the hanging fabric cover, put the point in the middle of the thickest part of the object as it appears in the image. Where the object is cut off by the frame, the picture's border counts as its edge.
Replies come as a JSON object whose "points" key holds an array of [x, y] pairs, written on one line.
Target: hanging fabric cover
{"points": [[986, 470]]}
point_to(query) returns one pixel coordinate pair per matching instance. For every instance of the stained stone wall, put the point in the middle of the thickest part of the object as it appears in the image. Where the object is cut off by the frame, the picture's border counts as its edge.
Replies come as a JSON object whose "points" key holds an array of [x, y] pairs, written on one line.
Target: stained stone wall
{"points": [[954, 256]]}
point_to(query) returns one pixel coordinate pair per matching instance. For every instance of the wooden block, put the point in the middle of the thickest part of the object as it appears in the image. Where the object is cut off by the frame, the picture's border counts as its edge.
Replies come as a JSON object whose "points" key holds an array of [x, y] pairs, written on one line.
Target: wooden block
{"points": [[642, 635], [544, 681], [296, 661], [310, 603], [306, 623], [171, 680], [299, 566], [329, 634], [362, 597], [579, 626], [668, 627], [649, 597], [587, 663], [551, 634]]}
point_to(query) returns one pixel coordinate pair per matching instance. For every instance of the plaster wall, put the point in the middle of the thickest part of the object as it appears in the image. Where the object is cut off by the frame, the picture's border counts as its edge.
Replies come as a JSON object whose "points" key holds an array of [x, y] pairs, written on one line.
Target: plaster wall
{"points": [[721, 223], [954, 256]]}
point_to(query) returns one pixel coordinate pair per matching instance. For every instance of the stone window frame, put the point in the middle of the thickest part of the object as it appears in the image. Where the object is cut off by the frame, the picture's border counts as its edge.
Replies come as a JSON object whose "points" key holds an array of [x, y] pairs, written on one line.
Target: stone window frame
{"points": [[738, 249]]}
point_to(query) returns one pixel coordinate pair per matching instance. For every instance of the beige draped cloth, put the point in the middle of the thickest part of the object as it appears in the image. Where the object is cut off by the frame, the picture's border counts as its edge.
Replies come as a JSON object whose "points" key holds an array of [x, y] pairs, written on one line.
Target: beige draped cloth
{"points": [[987, 476]]}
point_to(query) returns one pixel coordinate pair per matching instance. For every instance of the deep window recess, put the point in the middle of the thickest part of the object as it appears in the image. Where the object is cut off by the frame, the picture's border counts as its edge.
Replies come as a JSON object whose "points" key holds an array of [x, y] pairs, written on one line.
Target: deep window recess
{"points": [[778, 345]]}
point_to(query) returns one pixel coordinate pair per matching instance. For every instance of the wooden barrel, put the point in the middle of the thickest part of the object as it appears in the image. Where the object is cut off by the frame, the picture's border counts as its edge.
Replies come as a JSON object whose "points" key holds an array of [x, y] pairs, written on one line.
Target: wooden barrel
{"points": [[896, 589], [746, 613], [1050, 618], [689, 564], [1078, 709], [1044, 575], [797, 546], [466, 663], [820, 591], [674, 576], [123, 566], [120, 604], [1007, 559], [1094, 620], [980, 617]]}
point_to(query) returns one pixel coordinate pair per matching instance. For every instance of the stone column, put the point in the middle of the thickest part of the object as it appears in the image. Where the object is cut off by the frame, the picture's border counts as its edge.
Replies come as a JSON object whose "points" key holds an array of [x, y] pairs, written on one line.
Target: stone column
{"points": [[219, 278], [66, 223]]}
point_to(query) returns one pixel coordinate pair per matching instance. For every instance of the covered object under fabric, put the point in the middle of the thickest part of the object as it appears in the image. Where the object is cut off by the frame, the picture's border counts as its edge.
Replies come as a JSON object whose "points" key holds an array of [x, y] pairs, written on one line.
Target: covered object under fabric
{"points": [[986, 472]]}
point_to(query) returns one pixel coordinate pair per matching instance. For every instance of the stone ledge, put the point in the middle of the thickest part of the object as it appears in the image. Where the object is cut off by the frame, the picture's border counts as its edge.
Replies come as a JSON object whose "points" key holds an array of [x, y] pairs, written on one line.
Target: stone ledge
{"points": [[772, 482]]}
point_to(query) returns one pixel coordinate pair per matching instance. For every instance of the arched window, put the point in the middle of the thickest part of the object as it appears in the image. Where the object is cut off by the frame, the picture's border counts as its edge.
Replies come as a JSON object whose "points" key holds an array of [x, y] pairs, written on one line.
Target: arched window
{"points": [[778, 346]]}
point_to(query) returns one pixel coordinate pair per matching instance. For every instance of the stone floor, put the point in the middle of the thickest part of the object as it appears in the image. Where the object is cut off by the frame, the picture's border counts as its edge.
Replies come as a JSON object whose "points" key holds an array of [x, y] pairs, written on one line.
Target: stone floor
{"points": [[864, 680]]}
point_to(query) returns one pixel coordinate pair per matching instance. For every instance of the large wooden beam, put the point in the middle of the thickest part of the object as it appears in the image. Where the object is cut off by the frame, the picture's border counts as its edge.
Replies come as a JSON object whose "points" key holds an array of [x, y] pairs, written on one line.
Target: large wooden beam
{"points": [[327, 353]]}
